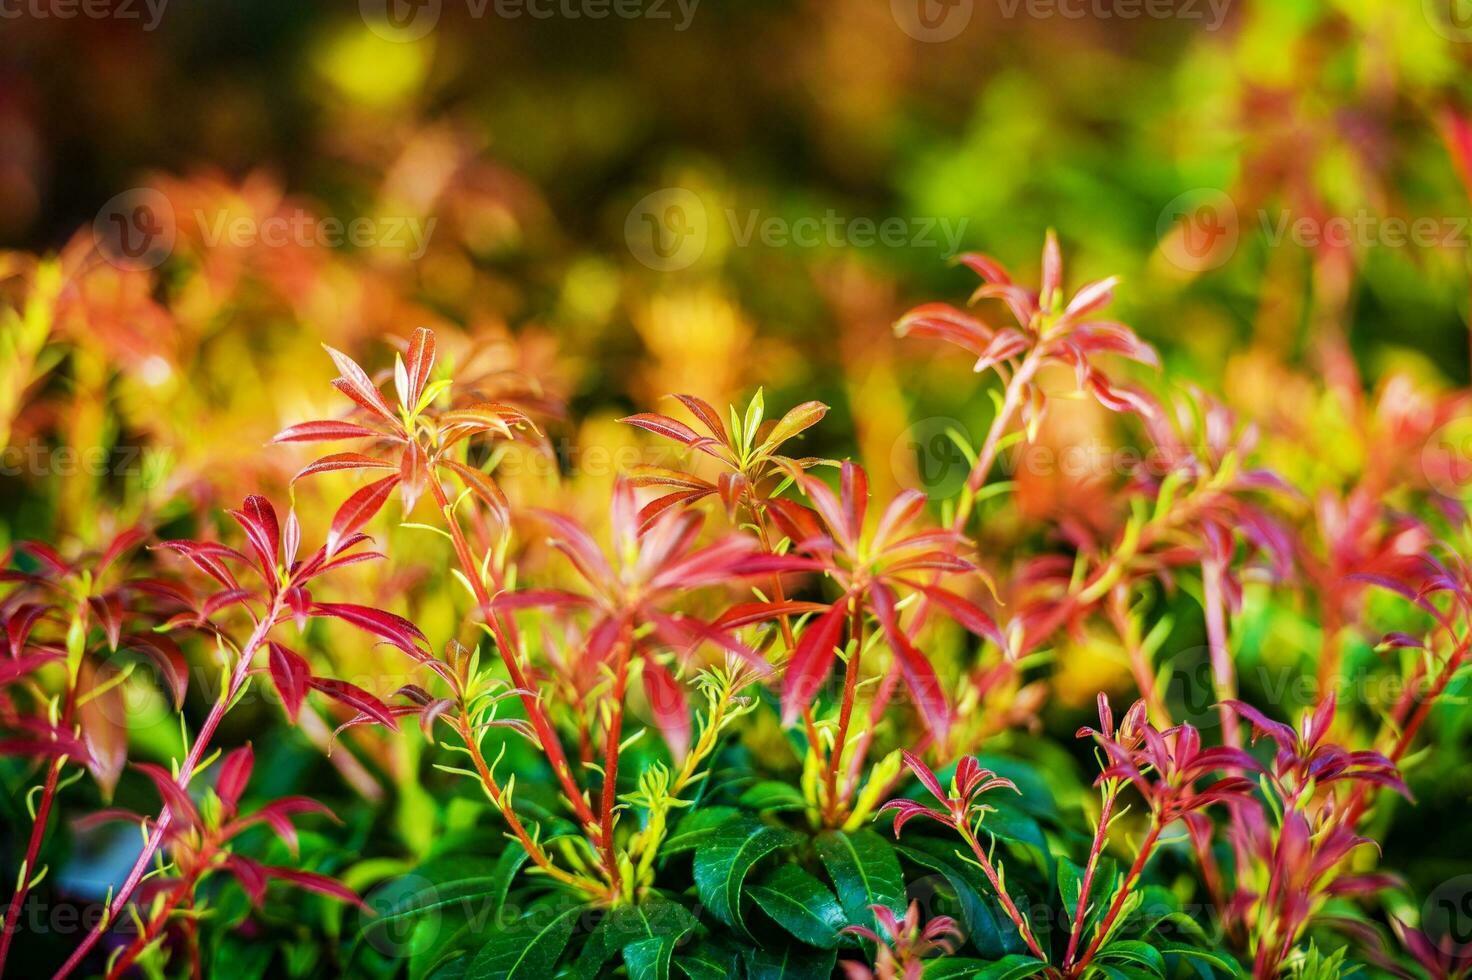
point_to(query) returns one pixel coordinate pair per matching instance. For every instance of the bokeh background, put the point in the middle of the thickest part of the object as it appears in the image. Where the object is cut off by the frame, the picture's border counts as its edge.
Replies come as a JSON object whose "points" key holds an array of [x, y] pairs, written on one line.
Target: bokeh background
{"points": [[625, 198]]}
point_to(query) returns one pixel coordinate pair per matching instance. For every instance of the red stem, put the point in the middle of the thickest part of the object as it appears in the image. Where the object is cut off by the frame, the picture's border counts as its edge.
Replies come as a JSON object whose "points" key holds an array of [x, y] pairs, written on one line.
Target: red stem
{"points": [[149, 933], [1146, 847], [1096, 851], [529, 701], [846, 709], [1223, 674], [33, 851], [610, 756], [186, 774], [1008, 905]]}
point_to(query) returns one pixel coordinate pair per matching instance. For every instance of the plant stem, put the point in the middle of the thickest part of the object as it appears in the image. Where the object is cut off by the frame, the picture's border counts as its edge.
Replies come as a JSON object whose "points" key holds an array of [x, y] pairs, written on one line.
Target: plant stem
{"points": [[494, 791], [186, 774], [1008, 905], [1146, 847], [529, 701], [1223, 674], [846, 708], [149, 933], [610, 756], [1096, 851]]}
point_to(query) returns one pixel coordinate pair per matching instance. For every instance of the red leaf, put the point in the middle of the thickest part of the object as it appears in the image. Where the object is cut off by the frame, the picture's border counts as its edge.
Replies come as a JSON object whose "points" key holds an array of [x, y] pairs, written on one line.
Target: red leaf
{"points": [[166, 656], [663, 425], [117, 547], [46, 555], [325, 430], [103, 718], [342, 461], [483, 487], [919, 675], [707, 415], [395, 629], [358, 510], [177, 801], [258, 518], [420, 363], [320, 884], [234, 775], [811, 662], [356, 698], [18, 627], [356, 384], [671, 710], [413, 475], [109, 612], [291, 674]]}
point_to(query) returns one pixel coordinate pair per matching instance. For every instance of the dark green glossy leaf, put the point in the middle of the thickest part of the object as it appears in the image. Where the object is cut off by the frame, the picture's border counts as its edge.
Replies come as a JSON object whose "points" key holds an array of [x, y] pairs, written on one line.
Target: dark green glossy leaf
{"points": [[527, 949], [1136, 953], [791, 963], [865, 871], [724, 859], [801, 904], [654, 918], [1014, 967], [773, 797], [990, 932], [475, 886], [695, 828]]}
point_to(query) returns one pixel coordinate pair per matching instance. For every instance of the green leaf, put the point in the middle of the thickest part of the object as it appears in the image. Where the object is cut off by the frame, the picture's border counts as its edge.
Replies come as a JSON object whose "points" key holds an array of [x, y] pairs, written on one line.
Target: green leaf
{"points": [[1014, 967], [772, 797], [792, 963], [1211, 957], [528, 949], [650, 959], [866, 871], [654, 918], [801, 904], [474, 885], [707, 961], [1135, 952], [696, 828], [723, 860], [991, 937]]}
